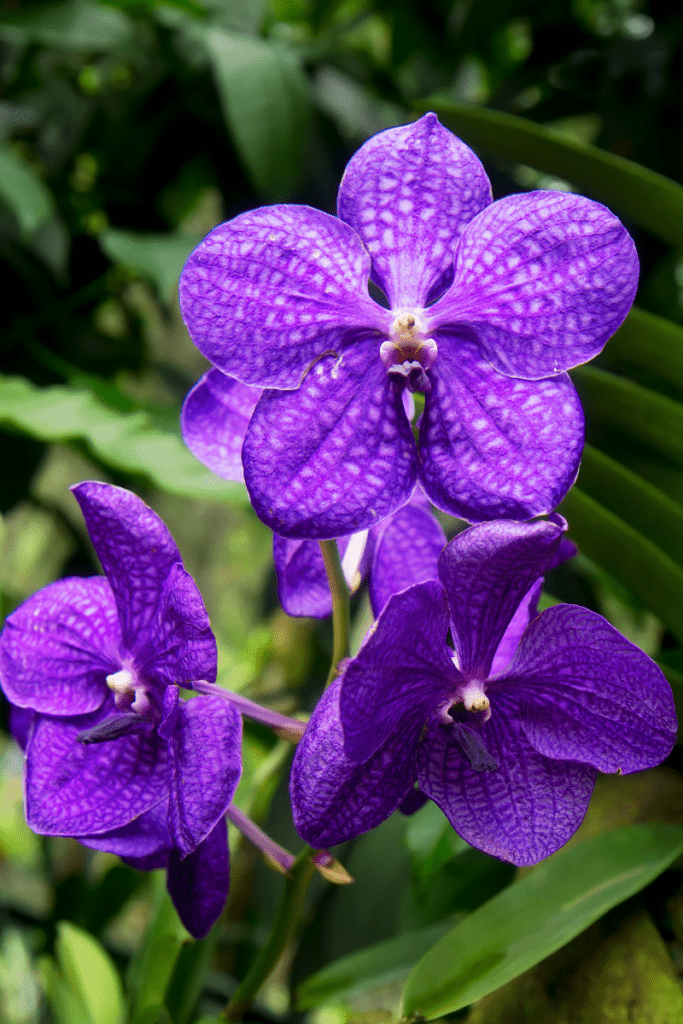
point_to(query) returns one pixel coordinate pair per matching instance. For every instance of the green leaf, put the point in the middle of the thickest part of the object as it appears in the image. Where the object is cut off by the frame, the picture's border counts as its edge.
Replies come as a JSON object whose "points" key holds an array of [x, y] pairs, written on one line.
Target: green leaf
{"points": [[537, 915], [637, 502], [382, 964], [648, 198], [135, 442], [26, 195], [651, 343], [263, 93], [65, 1004], [632, 558], [159, 257], [74, 25], [636, 411], [152, 966], [90, 973]]}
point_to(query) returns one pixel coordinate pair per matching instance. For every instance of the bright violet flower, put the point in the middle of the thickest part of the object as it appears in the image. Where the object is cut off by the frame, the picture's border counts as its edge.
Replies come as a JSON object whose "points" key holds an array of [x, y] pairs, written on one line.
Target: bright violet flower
{"points": [[489, 305], [401, 550], [508, 749], [113, 757]]}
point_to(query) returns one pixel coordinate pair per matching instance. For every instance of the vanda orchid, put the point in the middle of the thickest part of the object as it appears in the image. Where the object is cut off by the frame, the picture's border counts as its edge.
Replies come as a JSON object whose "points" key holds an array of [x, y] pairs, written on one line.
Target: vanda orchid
{"points": [[507, 731], [401, 550], [489, 304], [114, 757]]}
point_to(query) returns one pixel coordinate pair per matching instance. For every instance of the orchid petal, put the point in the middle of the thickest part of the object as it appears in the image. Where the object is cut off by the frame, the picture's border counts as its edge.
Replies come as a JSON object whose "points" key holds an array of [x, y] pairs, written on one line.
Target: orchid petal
{"points": [[542, 279], [334, 799], [495, 448], [408, 193], [199, 883], [401, 672], [136, 551], [521, 812], [58, 647], [527, 612], [336, 456], [73, 789], [405, 552], [204, 736], [214, 420], [147, 836], [268, 293], [587, 694], [179, 645], [486, 571]]}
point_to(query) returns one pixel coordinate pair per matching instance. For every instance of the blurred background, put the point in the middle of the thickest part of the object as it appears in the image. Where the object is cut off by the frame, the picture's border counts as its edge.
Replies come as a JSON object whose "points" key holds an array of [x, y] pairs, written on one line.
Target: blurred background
{"points": [[128, 129]]}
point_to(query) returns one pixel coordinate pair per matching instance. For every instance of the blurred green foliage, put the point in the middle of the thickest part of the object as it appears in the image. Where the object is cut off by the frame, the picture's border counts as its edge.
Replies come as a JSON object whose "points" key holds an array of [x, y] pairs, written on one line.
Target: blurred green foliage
{"points": [[128, 129]]}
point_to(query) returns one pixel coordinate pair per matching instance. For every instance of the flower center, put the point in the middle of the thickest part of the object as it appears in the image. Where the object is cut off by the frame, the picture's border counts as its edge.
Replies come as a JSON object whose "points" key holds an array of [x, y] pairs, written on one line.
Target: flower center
{"points": [[409, 353], [465, 723], [129, 692]]}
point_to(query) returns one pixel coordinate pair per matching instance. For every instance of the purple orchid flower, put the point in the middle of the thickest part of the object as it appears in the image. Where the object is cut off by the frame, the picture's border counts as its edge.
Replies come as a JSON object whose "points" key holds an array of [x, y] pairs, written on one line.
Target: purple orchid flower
{"points": [[489, 305], [401, 550], [508, 745], [114, 758]]}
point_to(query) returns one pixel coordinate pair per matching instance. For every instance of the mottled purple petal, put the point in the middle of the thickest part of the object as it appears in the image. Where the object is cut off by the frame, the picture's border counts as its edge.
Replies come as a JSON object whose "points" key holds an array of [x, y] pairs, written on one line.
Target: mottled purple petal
{"points": [[136, 551], [147, 836], [205, 737], [487, 571], [521, 812], [333, 799], [405, 552], [587, 694], [214, 420], [179, 646], [496, 448], [302, 585], [412, 802], [334, 457], [543, 279], [57, 648], [198, 884], [527, 610], [401, 672], [409, 192], [74, 789], [264, 295], [20, 721]]}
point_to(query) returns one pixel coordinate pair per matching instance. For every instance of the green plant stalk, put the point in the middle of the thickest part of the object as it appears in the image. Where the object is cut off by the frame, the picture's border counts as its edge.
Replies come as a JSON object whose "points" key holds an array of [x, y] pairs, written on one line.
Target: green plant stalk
{"points": [[292, 903], [341, 606], [288, 917]]}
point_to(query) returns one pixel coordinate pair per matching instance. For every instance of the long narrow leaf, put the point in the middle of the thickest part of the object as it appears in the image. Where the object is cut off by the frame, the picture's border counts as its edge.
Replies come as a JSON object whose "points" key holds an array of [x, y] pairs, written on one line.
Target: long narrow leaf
{"points": [[651, 343], [637, 411], [536, 915], [646, 197], [633, 558], [637, 502]]}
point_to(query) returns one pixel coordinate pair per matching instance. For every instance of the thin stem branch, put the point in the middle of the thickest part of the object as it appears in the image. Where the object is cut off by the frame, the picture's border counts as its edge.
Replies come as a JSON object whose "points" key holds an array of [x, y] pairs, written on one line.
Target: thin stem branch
{"points": [[289, 915], [341, 606]]}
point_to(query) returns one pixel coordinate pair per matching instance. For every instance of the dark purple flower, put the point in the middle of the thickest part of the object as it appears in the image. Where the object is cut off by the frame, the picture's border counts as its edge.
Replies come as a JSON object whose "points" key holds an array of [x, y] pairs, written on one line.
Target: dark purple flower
{"points": [[508, 749], [113, 757], [401, 550], [490, 304]]}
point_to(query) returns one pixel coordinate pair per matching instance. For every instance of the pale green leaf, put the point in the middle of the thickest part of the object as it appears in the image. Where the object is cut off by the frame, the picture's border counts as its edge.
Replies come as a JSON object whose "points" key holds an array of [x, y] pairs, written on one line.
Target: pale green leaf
{"points": [[536, 915], [89, 972], [135, 442], [157, 256], [22, 190]]}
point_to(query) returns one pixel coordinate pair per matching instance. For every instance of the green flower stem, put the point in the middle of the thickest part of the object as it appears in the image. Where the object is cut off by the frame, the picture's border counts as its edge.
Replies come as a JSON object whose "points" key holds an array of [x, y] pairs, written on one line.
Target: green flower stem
{"points": [[288, 917], [341, 606]]}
